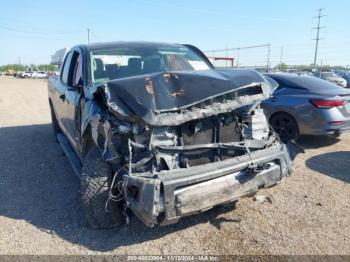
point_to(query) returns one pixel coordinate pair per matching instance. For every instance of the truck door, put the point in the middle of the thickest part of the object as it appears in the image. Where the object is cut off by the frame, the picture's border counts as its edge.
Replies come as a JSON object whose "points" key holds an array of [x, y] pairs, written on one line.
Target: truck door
{"points": [[59, 92], [72, 99]]}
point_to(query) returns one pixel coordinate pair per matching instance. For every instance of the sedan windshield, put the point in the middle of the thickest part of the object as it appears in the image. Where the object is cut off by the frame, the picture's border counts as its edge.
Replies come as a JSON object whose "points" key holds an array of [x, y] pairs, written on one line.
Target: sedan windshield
{"points": [[119, 62]]}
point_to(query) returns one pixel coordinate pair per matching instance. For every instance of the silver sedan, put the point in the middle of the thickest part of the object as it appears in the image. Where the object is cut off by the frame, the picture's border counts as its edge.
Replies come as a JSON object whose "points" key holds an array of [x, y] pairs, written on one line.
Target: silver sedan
{"points": [[306, 105]]}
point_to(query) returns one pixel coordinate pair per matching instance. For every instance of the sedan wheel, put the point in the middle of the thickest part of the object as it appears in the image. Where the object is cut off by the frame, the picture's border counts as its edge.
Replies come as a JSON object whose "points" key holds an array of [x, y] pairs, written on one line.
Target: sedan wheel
{"points": [[285, 126]]}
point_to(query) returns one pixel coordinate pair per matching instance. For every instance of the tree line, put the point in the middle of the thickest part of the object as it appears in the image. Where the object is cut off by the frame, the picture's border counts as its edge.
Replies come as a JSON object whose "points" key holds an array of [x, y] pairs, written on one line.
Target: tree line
{"points": [[284, 66], [20, 67]]}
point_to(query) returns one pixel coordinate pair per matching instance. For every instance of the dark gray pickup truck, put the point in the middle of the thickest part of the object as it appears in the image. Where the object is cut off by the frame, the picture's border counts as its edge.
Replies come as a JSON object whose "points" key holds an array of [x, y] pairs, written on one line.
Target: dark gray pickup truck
{"points": [[154, 128]]}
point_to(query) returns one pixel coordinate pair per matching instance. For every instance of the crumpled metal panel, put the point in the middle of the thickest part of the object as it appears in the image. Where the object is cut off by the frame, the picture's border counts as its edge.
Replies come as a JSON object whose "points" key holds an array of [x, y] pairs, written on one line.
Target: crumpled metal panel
{"points": [[165, 98], [150, 100], [146, 204]]}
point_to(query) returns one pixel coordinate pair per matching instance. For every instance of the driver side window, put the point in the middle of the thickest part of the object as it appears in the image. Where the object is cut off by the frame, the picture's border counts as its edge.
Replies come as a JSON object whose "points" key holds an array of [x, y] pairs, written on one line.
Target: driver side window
{"points": [[77, 70], [72, 74], [66, 68]]}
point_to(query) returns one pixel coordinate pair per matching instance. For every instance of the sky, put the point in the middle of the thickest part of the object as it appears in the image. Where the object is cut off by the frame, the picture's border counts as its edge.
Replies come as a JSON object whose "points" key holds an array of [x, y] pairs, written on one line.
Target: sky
{"points": [[31, 31]]}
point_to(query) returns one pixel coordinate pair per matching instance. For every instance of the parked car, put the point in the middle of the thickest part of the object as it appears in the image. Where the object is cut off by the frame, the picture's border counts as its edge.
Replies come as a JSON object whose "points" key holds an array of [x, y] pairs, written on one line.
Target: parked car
{"points": [[17, 74], [346, 76], [334, 78], [9, 72], [306, 105], [156, 129], [39, 74], [53, 74], [26, 74]]}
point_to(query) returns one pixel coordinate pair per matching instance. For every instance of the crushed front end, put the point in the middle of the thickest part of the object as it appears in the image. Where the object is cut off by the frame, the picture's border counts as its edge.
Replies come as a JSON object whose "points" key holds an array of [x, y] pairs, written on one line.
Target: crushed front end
{"points": [[200, 164], [185, 160]]}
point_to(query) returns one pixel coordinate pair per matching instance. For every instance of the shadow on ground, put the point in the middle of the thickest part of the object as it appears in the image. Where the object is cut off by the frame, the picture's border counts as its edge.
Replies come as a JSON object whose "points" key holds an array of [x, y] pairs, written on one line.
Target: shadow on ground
{"points": [[333, 164], [314, 142], [38, 186], [309, 142]]}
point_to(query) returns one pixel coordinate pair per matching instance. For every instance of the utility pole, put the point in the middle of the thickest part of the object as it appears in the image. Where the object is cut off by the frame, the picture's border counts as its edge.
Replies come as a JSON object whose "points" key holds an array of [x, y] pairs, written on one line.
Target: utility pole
{"points": [[321, 68], [281, 56], [19, 60], [238, 56], [318, 33], [88, 35], [268, 58]]}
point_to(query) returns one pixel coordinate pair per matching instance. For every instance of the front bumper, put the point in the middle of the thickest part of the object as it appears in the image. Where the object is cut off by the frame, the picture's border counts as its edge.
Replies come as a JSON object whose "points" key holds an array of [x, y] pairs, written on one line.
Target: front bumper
{"points": [[166, 196]]}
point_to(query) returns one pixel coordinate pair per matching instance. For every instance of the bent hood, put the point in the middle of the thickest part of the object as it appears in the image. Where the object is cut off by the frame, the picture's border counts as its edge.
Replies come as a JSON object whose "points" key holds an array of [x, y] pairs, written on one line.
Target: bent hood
{"points": [[153, 94]]}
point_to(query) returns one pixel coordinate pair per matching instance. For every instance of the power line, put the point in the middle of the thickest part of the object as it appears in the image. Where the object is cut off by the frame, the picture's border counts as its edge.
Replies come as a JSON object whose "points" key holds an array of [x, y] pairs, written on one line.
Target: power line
{"points": [[21, 30], [216, 12], [238, 48], [317, 39]]}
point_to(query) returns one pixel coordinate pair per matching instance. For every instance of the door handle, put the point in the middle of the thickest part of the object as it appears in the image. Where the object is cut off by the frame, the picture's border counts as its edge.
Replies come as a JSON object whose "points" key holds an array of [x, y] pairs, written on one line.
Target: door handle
{"points": [[63, 97]]}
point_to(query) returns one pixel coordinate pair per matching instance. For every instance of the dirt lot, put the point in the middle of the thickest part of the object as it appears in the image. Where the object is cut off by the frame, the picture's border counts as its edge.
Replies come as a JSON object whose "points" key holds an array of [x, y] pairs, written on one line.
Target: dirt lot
{"points": [[40, 211]]}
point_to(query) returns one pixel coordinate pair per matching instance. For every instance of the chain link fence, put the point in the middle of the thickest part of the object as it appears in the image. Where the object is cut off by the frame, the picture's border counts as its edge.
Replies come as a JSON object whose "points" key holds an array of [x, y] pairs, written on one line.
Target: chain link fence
{"points": [[257, 56]]}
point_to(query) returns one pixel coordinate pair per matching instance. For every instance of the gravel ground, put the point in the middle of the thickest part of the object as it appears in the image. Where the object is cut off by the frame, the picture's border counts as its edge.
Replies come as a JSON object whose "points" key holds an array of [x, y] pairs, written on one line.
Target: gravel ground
{"points": [[40, 211]]}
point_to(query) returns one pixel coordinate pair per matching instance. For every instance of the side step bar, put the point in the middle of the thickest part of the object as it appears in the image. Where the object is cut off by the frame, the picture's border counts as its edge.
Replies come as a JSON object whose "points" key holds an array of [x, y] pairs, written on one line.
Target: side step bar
{"points": [[73, 159]]}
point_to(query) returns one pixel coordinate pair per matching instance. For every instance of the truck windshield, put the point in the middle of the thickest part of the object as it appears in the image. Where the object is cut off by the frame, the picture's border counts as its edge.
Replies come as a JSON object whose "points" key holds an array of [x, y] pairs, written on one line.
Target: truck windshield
{"points": [[114, 63]]}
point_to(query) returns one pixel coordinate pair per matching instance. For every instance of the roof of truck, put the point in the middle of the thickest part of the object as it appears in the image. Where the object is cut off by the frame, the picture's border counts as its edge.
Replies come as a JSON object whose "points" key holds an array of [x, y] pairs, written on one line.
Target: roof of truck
{"points": [[95, 46]]}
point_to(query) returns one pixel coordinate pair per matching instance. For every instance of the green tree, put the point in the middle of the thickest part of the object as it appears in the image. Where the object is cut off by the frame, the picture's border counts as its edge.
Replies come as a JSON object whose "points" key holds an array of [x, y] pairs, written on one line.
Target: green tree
{"points": [[47, 67], [15, 67], [282, 66]]}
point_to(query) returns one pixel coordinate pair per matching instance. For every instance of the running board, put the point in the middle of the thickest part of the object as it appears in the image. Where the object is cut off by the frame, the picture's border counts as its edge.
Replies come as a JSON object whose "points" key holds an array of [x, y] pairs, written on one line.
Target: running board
{"points": [[73, 159]]}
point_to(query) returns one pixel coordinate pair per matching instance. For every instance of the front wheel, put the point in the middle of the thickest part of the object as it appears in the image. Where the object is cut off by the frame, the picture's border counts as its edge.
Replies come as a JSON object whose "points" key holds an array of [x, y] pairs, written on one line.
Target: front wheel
{"points": [[96, 179], [285, 126]]}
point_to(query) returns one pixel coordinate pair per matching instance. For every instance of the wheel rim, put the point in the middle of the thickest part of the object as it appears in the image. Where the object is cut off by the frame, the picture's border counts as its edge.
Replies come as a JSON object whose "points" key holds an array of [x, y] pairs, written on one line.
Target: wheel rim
{"points": [[284, 127]]}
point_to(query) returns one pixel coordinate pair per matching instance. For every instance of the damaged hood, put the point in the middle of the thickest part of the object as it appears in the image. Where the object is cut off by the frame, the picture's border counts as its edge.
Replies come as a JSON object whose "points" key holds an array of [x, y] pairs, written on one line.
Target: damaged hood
{"points": [[150, 95]]}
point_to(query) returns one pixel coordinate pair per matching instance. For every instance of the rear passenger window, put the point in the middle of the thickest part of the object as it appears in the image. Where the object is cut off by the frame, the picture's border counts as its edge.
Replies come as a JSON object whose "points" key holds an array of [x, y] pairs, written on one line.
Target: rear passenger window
{"points": [[66, 68]]}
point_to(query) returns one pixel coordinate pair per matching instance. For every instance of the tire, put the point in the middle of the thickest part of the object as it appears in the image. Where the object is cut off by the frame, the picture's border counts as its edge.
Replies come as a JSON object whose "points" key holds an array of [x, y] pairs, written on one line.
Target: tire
{"points": [[285, 126], [96, 179], [55, 127]]}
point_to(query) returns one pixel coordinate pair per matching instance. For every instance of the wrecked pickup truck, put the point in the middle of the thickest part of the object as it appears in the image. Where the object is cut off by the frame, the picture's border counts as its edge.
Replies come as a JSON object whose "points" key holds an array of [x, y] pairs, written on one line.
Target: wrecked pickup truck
{"points": [[154, 129]]}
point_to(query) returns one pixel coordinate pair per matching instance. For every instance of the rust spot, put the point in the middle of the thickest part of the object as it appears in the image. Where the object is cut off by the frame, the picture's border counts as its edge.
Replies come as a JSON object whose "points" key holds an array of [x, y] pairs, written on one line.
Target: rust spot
{"points": [[181, 92], [149, 85]]}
